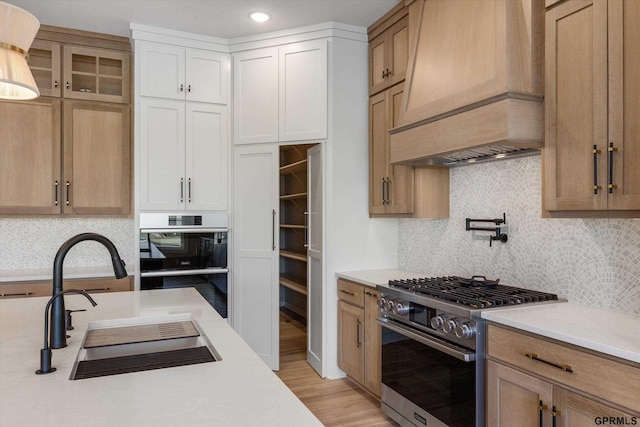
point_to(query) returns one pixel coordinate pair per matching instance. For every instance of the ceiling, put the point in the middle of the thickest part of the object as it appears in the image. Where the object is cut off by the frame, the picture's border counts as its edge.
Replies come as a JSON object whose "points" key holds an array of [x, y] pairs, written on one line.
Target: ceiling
{"points": [[226, 19]]}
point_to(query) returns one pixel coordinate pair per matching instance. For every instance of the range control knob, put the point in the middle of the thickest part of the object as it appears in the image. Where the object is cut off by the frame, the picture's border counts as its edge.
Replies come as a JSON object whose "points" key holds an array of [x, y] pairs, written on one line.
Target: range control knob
{"points": [[382, 302], [401, 308], [466, 330], [437, 322], [390, 304], [450, 326]]}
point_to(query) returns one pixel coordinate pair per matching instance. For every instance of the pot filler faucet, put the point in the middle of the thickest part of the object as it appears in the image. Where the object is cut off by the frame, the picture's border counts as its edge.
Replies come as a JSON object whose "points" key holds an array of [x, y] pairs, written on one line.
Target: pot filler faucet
{"points": [[58, 335]]}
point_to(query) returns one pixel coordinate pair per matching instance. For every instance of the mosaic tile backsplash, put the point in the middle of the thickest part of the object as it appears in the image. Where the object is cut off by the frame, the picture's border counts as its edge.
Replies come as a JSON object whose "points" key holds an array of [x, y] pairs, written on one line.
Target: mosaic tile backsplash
{"points": [[588, 261], [32, 243]]}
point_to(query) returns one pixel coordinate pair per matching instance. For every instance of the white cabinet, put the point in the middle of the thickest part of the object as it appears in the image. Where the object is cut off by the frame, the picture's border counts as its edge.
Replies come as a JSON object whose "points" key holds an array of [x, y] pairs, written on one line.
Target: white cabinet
{"points": [[183, 156], [255, 310], [280, 93], [175, 72]]}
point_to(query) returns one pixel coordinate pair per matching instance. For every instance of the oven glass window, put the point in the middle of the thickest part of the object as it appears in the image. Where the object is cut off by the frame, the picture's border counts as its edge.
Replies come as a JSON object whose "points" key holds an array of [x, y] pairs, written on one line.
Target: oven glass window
{"points": [[436, 382], [182, 251]]}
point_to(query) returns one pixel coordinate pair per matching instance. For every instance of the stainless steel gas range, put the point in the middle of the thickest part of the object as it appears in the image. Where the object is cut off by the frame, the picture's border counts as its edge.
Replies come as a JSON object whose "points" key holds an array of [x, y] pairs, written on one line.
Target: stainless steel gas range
{"points": [[433, 346]]}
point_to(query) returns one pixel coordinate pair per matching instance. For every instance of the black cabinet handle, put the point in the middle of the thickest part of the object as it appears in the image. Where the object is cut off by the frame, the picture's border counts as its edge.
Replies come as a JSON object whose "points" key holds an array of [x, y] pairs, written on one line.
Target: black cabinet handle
{"points": [[358, 323], [189, 190], [596, 187], [555, 413], [55, 193], [534, 356], [181, 190], [611, 185], [542, 408], [68, 185]]}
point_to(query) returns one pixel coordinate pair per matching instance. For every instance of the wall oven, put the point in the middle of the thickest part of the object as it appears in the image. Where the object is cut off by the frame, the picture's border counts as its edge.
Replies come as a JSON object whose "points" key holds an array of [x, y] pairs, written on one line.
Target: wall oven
{"points": [[179, 250], [433, 347]]}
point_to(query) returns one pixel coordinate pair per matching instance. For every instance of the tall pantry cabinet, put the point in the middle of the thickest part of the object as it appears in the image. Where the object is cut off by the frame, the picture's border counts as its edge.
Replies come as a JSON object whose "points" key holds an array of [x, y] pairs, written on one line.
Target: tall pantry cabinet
{"points": [[183, 122], [68, 152], [310, 95]]}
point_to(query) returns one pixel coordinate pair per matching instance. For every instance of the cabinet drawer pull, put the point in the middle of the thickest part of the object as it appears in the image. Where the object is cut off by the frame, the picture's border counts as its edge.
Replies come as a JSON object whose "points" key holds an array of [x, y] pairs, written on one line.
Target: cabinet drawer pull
{"points": [[371, 294], [97, 289], [611, 185], [17, 294], [596, 187], [534, 356], [347, 292]]}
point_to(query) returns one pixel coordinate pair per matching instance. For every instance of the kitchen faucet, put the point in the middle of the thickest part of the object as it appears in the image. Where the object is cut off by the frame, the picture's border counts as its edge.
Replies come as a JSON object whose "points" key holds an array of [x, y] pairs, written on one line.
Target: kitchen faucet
{"points": [[45, 353], [58, 338]]}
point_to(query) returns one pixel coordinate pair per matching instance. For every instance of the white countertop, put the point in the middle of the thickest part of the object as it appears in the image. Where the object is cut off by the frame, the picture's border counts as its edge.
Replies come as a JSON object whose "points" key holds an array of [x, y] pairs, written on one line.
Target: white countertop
{"points": [[609, 332], [33, 274], [377, 277], [239, 390]]}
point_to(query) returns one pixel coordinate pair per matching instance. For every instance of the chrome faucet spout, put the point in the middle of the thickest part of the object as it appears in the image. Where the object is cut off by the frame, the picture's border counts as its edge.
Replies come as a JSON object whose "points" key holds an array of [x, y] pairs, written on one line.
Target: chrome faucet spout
{"points": [[58, 337], [45, 353]]}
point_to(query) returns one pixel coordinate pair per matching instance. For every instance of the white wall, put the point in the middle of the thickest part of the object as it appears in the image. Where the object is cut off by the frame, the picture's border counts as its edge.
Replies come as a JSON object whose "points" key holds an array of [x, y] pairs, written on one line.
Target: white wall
{"points": [[354, 241], [588, 261]]}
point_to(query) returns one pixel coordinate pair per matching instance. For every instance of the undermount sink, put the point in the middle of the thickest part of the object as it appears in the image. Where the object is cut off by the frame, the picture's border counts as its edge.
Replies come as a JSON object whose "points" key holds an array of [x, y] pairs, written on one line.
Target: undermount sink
{"points": [[140, 344]]}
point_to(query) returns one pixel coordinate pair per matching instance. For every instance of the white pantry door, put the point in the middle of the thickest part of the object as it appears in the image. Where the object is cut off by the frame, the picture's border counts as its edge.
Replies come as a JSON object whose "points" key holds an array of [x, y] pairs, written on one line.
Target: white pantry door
{"points": [[315, 273], [256, 248]]}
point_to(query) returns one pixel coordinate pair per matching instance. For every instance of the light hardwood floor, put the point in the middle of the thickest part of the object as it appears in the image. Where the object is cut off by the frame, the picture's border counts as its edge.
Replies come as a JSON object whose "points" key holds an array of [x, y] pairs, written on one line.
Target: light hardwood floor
{"points": [[338, 402]]}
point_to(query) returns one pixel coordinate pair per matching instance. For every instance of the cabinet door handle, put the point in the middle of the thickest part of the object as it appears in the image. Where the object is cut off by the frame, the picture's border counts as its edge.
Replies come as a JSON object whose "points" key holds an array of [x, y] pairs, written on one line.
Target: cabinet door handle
{"points": [[596, 187], [68, 85], [306, 229], [189, 88], [383, 198], [181, 190], [611, 185], [68, 185], [97, 290], [55, 193], [55, 83], [542, 408], [273, 230], [182, 88], [358, 333], [534, 356], [555, 413], [17, 294], [189, 190]]}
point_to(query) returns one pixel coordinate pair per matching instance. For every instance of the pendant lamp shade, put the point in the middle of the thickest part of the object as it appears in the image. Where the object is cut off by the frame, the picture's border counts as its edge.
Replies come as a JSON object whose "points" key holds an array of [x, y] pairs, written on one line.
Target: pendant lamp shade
{"points": [[18, 28]]}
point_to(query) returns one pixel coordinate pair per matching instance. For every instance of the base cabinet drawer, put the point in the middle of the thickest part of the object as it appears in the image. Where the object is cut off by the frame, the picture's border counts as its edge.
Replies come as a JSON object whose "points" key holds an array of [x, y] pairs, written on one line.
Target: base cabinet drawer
{"points": [[532, 380], [42, 288]]}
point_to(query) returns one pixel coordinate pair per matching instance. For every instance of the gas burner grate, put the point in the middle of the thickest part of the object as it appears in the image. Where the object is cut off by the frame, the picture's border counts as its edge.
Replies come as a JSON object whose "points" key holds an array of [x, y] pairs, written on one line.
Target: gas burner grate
{"points": [[477, 292]]}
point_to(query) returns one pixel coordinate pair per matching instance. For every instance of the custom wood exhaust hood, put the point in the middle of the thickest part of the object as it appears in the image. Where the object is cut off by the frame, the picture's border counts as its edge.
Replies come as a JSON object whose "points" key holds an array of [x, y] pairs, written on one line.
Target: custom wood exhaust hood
{"points": [[474, 85]]}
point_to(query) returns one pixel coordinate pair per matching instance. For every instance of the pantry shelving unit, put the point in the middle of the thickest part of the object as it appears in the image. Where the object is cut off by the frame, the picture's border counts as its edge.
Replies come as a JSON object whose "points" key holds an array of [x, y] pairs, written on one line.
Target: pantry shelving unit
{"points": [[293, 228]]}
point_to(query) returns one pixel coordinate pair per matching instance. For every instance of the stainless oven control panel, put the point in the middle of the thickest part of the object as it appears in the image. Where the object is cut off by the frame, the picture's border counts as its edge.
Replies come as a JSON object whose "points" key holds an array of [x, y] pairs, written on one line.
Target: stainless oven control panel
{"points": [[455, 328]]}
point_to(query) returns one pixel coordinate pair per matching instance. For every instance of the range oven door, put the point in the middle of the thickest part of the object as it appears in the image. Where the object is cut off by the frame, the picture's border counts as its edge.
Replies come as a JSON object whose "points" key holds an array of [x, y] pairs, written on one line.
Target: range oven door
{"points": [[426, 380]]}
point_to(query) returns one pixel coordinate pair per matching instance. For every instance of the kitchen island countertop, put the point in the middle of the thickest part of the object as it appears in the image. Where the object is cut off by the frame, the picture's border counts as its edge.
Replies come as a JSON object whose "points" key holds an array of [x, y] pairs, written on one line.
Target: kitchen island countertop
{"points": [[239, 390]]}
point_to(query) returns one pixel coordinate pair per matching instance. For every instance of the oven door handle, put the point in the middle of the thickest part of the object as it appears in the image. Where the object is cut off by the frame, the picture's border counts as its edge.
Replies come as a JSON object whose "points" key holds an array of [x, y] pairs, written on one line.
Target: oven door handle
{"points": [[168, 273], [435, 343]]}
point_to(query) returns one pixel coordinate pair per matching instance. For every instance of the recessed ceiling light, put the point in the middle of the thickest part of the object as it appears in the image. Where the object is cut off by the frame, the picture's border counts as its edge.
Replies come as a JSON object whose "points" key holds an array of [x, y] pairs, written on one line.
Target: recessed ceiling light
{"points": [[260, 16]]}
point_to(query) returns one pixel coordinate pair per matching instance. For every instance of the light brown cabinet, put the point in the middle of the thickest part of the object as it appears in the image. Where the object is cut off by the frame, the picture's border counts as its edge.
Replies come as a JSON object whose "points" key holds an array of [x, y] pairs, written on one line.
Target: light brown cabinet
{"points": [[359, 336], [535, 381], [397, 190], [388, 49], [592, 135], [41, 288], [65, 153]]}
